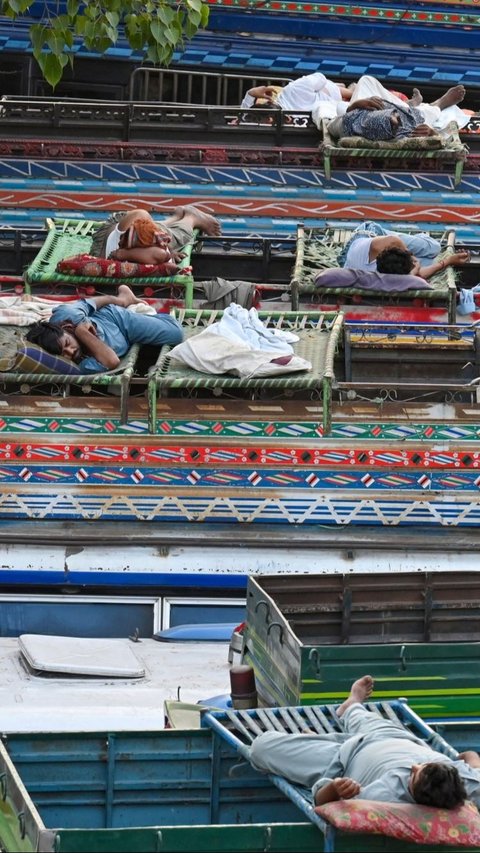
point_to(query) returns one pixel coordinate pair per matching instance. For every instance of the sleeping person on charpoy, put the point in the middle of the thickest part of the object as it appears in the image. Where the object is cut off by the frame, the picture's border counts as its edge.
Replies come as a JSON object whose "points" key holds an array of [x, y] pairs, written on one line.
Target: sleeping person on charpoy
{"points": [[135, 236], [95, 333]]}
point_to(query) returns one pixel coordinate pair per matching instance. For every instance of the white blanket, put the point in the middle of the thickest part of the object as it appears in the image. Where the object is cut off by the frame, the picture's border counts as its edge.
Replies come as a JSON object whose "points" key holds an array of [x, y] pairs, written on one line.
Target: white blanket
{"points": [[244, 327], [240, 344]]}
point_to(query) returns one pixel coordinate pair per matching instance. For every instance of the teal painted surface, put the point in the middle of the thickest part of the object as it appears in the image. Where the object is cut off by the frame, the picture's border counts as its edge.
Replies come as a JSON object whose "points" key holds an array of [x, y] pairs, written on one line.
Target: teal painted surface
{"points": [[162, 791], [128, 779]]}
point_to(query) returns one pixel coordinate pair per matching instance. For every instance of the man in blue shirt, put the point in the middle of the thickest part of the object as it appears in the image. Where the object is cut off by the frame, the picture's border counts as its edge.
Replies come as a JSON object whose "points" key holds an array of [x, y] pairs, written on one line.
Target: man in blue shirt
{"points": [[95, 333]]}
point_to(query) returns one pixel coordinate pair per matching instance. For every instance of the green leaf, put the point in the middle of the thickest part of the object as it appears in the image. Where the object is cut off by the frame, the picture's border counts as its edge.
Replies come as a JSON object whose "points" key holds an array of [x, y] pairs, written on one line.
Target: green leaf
{"points": [[52, 68], [72, 8], [144, 24], [18, 6], [171, 34], [166, 15], [156, 30], [190, 29], [113, 19], [79, 25], [112, 34], [90, 33], [37, 37], [195, 19], [155, 27], [55, 42]]}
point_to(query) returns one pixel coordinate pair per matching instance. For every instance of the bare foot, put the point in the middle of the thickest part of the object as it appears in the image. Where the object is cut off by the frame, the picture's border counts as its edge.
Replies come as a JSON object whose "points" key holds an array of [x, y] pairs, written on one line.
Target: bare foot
{"points": [[198, 219], [416, 99], [395, 123], [454, 96], [127, 296], [359, 691]]}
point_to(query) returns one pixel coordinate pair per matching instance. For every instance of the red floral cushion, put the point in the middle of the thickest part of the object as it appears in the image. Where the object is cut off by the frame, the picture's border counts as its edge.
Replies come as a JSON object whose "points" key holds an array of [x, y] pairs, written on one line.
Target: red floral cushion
{"points": [[92, 267], [458, 827]]}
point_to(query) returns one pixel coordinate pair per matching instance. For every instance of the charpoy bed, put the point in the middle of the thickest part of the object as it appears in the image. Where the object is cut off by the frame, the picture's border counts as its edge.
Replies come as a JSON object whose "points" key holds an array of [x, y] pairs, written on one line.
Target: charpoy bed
{"points": [[412, 152], [355, 824], [71, 237], [319, 335], [26, 367], [319, 249]]}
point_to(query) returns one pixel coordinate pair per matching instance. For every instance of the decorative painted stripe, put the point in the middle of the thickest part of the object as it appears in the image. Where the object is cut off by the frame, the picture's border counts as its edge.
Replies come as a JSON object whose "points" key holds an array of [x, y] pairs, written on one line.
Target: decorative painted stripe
{"points": [[239, 478], [304, 507], [435, 210], [301, 429], [293, 177], [359, 12]]}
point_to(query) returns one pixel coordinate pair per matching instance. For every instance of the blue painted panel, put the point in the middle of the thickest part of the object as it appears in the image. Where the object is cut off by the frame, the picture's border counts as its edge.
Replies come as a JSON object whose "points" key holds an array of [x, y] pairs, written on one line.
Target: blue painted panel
{"points": [[92, 619], [201, 613], [124, 580], [231, 51], [324, 28]]}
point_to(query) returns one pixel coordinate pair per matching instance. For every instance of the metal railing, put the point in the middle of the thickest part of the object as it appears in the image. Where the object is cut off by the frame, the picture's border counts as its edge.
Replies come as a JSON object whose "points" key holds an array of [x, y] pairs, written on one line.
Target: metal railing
{"points": [[194, 87]]}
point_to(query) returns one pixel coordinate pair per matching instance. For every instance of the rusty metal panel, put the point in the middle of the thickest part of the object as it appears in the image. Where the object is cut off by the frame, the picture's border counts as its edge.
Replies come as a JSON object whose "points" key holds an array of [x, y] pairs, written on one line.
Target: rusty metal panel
{"points": [[421, 607]]}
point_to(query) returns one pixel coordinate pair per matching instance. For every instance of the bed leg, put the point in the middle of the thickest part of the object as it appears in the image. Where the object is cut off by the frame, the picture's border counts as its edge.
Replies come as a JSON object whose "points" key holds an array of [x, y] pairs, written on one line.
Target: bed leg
{"points": [[152, 406]]}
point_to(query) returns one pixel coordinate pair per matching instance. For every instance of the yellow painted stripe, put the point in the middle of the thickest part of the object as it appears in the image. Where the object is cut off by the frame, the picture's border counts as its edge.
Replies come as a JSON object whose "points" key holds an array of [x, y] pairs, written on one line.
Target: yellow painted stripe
{"points": [[459, 691], [390, 678]]}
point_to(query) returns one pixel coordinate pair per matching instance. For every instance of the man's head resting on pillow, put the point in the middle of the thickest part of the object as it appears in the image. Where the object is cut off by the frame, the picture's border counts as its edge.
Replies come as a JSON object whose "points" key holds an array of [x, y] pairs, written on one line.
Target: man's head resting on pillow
{"points": [[396, 261], [143, 233], [57, 339], [437, 784]]}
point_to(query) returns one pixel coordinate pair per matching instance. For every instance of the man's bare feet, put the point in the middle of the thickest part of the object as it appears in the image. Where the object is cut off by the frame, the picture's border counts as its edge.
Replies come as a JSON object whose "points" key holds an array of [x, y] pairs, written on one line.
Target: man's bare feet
{"points": [[197, 219], [416, 99], [453, 96], [359, 692], [127, 296]]}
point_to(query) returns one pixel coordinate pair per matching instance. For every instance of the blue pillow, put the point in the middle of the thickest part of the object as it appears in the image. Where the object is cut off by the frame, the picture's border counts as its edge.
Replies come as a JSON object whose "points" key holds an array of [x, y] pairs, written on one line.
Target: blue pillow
{"points": [[33, 359]]}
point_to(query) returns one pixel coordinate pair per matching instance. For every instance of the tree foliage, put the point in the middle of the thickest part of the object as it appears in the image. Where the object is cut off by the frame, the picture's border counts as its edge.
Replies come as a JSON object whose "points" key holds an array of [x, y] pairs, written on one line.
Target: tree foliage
{"points": [[155, 27]]}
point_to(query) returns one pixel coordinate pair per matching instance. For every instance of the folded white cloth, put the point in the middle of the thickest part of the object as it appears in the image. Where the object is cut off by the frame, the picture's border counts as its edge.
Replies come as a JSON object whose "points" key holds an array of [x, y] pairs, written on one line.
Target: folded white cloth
{"points": [[242, 326], [210, 352]]}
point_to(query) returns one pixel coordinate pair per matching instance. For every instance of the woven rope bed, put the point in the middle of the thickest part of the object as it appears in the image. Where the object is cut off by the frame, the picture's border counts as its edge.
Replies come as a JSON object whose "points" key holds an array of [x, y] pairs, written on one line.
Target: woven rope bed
{"points": [[68, 237], [119, 378], [440, 150], [319, 335], [319, 248]]}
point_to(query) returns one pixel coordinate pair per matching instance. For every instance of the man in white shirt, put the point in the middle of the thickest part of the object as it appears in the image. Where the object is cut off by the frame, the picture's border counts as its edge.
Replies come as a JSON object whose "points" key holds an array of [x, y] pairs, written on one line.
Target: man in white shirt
{"points": [[301, 95], [374, 759], [324, 98]]}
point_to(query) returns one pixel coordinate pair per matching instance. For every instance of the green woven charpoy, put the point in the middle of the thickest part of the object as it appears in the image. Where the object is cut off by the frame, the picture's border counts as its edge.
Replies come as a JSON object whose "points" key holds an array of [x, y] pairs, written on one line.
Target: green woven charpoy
{"points": [[319, 249], [120, 377], [318, 333], [67, 238], [10, 340], [445, 148]]}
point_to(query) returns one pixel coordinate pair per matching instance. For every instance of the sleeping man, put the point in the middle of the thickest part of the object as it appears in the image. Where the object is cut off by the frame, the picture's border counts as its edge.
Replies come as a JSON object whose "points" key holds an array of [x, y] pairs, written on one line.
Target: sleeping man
{"points": [[134, 236], [374, 759], [375, 248], [95, 333], [376, 114]]}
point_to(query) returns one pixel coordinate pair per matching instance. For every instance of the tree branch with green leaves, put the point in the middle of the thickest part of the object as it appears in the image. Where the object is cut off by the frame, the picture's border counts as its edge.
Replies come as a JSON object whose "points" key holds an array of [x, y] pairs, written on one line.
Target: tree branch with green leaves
{"points": [[156, 27]]}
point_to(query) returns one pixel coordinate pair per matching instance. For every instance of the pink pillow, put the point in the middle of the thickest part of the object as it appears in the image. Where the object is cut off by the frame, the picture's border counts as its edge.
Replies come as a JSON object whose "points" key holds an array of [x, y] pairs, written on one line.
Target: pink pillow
{"points": [[92, 267], [458, 827]]}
